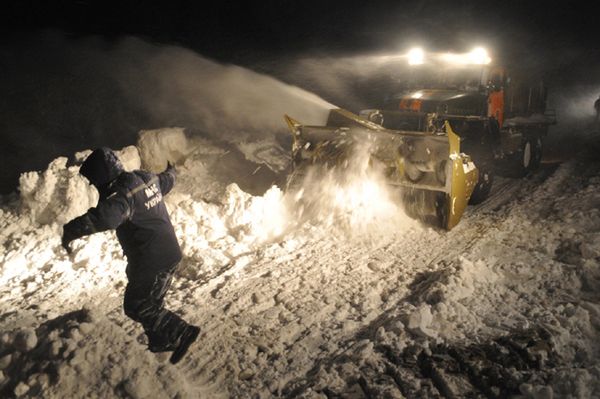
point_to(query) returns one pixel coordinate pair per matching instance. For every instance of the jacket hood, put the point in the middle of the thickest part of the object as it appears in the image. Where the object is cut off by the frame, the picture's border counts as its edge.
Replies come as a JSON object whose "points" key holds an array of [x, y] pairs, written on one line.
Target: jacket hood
{"points": [[101, 168]]}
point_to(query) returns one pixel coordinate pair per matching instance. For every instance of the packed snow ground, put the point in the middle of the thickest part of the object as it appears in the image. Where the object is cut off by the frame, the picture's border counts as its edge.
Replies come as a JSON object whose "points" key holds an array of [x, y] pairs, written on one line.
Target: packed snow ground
{"points": [[303, 297]]}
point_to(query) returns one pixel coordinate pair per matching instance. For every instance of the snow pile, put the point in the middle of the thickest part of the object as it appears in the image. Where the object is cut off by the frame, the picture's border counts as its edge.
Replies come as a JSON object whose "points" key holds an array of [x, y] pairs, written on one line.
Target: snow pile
{"points": [[57, 194], [214, 234]]}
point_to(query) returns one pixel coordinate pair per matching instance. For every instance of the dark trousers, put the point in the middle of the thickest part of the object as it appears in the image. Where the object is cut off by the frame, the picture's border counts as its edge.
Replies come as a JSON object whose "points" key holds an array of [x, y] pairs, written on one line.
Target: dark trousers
{"points": [[144, 303]]}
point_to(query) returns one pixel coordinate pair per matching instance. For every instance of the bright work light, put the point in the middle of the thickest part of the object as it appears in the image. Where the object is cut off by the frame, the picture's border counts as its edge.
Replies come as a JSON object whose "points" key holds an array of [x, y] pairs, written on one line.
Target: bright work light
{"points": [[479, 56], [416, 56]]}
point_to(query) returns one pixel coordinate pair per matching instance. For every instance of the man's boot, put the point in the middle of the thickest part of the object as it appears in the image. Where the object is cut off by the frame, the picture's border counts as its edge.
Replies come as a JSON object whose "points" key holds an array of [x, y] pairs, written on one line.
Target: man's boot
{"points": [[187, 338]]}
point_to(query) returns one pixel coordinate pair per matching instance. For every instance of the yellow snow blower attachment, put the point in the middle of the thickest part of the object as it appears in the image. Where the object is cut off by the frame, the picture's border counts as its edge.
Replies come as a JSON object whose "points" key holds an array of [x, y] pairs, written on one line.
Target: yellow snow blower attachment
{"points": [[434, 178]]}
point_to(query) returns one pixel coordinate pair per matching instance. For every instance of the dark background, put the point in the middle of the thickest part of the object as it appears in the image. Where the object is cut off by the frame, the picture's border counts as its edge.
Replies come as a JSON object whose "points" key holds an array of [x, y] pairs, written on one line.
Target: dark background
{"points": [[240, 31], [58, 60]]}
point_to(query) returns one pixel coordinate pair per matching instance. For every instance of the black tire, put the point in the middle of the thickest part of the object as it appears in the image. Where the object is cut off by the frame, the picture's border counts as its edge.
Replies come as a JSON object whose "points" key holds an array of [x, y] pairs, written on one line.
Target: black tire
{"points": [[483, 188], [530, 157]]}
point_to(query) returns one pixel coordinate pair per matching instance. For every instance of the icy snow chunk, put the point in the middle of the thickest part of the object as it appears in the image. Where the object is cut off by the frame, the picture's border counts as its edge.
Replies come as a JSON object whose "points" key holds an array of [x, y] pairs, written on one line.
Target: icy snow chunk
{"points": [[5, 361], [21, 389], [6, 339], [157, 147], [80, 156], [420, 320], [56, 195], [26, 340], [130, 158]]}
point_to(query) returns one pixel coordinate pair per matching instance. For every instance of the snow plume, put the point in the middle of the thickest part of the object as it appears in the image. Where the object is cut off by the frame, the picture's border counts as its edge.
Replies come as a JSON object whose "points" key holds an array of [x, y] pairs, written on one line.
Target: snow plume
{"points": [[230, 102], [69, 94], [352, 197], [255, 219], [574, 104], [353, 82]]}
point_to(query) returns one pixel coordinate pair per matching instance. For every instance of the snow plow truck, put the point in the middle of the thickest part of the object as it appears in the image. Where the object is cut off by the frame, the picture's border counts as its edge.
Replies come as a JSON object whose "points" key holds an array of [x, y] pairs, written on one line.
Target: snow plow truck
{"points": [[440, 140]]}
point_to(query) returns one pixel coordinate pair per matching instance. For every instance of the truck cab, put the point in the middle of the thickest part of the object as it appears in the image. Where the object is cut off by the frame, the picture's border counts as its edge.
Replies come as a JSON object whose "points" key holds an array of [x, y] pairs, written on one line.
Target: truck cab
{"points": [[502, 118]]}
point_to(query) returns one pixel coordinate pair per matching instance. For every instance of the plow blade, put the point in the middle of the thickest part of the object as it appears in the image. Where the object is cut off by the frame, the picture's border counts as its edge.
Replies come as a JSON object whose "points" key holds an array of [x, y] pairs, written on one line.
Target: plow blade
{"points": [[435, 179]]}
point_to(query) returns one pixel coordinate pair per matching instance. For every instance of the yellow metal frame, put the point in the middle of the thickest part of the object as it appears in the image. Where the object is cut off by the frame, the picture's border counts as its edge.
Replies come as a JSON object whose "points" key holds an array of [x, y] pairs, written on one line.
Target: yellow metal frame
{"points": [[464, 178]]}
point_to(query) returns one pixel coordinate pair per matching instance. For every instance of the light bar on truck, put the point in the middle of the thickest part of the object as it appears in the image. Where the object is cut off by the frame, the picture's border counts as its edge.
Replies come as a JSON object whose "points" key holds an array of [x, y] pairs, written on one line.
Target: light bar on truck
{"points": [[477, 56]]}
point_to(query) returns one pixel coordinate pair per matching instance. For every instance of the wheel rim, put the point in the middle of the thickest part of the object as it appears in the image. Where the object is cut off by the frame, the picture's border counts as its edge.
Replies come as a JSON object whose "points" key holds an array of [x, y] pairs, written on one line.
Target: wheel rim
{"points": [[527, 154]]}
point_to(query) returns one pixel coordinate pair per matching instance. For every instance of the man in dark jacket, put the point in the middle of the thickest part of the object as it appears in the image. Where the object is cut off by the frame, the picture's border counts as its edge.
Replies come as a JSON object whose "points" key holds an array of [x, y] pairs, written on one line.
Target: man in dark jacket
{"points": [[132, 203]]}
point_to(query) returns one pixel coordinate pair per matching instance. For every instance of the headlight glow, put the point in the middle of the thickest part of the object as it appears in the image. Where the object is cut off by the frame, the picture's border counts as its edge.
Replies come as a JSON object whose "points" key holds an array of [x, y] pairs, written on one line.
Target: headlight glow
{"points": [[479, 56], [416, 56]]}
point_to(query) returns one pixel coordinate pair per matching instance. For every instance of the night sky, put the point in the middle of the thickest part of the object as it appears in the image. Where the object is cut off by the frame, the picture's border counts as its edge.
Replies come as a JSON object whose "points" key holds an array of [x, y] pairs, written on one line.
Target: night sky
{"points": [[244, 30]]}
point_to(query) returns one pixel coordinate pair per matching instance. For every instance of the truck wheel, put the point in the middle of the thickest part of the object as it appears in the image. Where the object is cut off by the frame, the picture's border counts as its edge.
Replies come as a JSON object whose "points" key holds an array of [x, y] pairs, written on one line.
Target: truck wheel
{"points": [[530, 156], [483, 187]]}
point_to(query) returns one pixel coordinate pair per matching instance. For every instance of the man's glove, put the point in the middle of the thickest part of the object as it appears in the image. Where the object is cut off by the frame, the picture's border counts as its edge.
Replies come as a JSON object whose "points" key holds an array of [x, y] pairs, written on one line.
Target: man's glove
{"points": [[66, 245], [67, 237]]}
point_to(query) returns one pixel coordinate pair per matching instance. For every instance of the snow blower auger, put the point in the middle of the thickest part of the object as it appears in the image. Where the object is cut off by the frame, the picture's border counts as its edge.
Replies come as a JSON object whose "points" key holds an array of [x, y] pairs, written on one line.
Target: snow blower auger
{"points": [[434, 178]]}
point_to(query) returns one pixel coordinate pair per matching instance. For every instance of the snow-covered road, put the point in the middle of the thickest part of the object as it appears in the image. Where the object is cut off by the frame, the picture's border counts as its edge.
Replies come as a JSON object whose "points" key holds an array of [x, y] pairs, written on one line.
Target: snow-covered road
{"points": [[505, 304]]}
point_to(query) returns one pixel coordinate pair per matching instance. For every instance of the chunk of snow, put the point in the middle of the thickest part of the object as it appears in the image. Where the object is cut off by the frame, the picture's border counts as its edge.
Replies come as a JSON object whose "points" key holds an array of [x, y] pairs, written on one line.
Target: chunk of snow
{"points": [[5, 361], [130, 158], [26, 339], [160, 146], [21, 389], [420, 321]]}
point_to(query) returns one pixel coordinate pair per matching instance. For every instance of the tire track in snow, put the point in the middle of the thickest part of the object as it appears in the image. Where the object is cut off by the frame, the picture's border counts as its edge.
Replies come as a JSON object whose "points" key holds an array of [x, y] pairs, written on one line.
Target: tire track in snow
{"points": [[333, 279], [460, 240]]}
